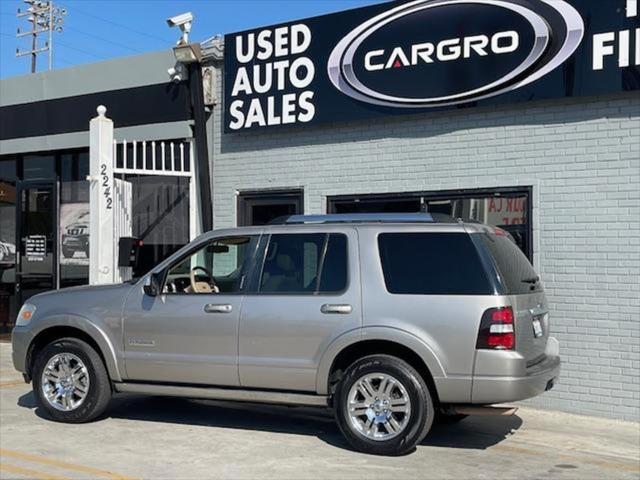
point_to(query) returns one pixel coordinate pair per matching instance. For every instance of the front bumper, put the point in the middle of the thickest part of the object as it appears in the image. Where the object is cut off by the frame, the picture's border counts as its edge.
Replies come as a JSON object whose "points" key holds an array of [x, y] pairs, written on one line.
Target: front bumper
{"points": [[515, 381], [20, 340]]}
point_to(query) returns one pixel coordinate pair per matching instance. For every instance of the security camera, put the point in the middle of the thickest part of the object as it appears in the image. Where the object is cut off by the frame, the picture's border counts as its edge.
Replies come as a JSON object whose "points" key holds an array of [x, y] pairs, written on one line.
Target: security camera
{"points": [[176, 74], [181, 20]]}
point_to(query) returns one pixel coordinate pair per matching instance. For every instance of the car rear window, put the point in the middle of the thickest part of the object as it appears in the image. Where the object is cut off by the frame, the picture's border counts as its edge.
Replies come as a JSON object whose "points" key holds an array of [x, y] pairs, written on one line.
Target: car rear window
{"points": [[516, 272], [432, 264]]}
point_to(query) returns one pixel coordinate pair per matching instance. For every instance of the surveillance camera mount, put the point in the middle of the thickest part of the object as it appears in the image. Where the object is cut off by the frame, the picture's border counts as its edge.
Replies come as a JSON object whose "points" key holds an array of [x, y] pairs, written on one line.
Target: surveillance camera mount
{"points": [[184, 22]]}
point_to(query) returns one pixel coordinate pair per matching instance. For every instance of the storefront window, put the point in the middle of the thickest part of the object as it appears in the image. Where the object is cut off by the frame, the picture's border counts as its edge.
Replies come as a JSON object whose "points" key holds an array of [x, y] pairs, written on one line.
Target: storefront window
{"points": [[508, 212], [74, 219], [507, 208], [260, 208], [160, 217], [38, 167], [55, 219]]}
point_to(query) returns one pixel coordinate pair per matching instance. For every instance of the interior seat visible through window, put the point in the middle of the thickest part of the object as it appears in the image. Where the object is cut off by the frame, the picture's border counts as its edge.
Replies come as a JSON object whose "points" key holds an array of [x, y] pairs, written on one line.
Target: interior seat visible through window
{"points": [[305, 263]]}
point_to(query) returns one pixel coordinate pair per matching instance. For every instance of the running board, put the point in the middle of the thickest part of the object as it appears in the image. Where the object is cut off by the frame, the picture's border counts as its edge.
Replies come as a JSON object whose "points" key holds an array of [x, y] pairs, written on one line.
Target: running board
{"points": [[484, 410], [258, 396]]}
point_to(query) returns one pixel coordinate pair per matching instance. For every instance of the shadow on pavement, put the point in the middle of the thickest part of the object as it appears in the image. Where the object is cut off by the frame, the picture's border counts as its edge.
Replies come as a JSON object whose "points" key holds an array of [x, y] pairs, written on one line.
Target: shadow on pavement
{"points": [[472, 433], [27, 400]]}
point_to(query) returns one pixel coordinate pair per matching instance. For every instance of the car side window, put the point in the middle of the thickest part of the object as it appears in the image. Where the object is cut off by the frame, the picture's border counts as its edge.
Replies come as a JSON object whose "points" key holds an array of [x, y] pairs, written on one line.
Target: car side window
{"points": [[217, 267], [432, 264], [305, 263]]}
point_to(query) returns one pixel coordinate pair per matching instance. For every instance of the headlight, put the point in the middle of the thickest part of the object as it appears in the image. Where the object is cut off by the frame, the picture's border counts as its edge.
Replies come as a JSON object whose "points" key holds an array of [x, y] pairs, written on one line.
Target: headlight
{"points": [[25, 314]]}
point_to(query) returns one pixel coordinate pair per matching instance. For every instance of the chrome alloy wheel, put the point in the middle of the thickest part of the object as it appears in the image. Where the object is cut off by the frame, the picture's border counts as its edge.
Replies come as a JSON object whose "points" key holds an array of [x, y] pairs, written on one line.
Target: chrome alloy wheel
{"points": [[379, 406], [65, 382]]}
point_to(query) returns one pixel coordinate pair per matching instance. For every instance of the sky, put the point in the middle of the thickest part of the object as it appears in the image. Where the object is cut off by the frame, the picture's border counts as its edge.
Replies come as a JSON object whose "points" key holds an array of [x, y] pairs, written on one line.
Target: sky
{"points": [[96, 30]]}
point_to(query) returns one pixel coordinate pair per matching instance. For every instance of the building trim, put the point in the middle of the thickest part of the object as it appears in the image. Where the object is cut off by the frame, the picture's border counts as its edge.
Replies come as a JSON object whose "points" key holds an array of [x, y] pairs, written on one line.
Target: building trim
{"points": [[64, 141], [117, 73], [159, 103]]}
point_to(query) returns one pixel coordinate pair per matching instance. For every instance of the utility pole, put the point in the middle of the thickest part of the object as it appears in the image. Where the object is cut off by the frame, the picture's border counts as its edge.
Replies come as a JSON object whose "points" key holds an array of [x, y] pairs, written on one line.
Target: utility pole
{"points": [[44, 18]]}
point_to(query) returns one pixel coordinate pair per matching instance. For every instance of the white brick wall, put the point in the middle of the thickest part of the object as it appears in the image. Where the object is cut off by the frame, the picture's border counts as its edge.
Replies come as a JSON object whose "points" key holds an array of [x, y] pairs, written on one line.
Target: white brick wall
{"points": [[582, 158]]}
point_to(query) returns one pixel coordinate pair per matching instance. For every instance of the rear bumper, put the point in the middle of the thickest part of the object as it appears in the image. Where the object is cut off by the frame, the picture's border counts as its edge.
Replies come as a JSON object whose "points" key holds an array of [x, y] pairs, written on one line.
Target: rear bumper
{"points": [[517, 382]]}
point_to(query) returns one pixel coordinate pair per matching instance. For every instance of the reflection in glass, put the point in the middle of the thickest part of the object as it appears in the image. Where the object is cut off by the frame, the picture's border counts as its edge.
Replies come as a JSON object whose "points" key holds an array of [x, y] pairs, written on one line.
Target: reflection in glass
{"points": [[74, 219], [160, 217], [508, 211], [38, 167]]}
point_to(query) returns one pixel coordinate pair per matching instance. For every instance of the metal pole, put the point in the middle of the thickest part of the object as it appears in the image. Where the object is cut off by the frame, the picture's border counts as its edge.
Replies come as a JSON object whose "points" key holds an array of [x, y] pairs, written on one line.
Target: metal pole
{"points": [[33, 43], [202, 148], [50, 34]]}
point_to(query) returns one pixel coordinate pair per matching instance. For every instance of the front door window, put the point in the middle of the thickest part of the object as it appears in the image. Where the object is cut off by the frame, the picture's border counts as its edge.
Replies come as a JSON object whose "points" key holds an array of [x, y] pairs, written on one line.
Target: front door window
{"points": [[217, 268]]}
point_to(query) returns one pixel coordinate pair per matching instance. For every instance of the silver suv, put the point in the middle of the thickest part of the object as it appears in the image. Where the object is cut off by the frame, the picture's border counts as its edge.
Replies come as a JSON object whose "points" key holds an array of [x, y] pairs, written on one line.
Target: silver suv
{"points": [[390, 320]]}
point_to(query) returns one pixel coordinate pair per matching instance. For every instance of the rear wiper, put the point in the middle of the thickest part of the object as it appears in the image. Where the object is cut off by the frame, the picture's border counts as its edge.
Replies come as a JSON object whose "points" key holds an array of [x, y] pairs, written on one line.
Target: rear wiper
{"points": [[533, 280]]}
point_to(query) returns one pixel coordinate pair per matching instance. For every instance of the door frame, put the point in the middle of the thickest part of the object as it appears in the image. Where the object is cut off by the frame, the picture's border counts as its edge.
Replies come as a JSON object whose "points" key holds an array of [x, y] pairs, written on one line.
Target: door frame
{"points": [[55, 273], [251, 198]]}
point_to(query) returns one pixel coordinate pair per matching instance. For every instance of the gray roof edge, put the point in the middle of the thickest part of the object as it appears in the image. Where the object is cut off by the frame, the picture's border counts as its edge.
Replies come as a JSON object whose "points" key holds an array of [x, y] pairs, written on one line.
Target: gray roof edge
{"points": [[113, 74]]}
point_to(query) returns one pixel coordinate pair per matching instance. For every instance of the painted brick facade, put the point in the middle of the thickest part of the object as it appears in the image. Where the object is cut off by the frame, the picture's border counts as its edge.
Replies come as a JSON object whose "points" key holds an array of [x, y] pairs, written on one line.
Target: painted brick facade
{"points": [[582, 158]]}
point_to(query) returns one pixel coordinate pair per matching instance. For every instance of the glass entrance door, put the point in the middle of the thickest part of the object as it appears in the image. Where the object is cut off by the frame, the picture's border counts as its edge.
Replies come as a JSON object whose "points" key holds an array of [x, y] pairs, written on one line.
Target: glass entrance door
{"points": [[7, 246], [37, 242]]}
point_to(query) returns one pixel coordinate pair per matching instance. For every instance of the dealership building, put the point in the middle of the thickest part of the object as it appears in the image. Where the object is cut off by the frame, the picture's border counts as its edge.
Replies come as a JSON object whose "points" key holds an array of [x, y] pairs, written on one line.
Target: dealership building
{"points": [[520, 114]]}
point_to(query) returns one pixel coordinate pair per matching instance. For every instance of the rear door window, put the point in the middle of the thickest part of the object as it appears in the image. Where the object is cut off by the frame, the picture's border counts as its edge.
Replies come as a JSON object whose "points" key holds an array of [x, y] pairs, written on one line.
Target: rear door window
{"points": [[432, 264], [517, 275], [305, 263]]}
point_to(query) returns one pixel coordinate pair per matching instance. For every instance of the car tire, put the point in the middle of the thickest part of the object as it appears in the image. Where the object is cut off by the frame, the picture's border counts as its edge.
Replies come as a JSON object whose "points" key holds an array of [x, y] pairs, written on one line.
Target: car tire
{"points": [[93, 378], [397, 435], [67, 252]]}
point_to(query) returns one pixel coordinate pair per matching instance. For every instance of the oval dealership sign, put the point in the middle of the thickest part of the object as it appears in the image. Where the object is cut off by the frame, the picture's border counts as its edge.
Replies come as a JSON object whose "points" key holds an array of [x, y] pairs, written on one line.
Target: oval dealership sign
{"points": [[435, 53], [414, 56]]}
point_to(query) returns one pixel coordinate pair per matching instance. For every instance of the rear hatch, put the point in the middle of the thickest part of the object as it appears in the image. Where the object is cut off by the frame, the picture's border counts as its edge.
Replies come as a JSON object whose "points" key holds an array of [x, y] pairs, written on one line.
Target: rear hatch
{"points": [[518, 279]]}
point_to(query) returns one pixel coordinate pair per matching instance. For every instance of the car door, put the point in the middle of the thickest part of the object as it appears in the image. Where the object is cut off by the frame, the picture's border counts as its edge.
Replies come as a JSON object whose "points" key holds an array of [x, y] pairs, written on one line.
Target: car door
{"points": [[189, 332], [305, 295]]}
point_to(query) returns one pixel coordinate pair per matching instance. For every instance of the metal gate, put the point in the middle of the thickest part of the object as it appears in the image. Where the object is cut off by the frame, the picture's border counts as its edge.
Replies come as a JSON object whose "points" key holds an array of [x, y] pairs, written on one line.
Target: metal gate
{"points": [[111, 194]]}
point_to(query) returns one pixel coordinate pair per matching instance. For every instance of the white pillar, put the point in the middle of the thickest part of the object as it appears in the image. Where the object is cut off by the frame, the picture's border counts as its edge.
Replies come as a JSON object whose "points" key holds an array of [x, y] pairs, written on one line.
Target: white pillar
{"points": [[102, 247]]}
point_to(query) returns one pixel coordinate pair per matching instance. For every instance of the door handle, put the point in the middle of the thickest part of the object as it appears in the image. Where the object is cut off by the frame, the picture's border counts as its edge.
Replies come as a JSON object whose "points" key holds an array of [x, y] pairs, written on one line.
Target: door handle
{"points": [[339, 309], [218, 308]]}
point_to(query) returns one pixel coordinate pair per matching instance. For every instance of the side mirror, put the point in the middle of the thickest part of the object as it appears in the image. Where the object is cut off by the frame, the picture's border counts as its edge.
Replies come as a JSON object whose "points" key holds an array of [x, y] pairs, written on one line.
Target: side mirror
{"points": [[152, 285]]}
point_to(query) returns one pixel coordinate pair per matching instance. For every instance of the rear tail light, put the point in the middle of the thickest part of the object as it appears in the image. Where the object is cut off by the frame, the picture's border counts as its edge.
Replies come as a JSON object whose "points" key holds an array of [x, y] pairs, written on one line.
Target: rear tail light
{"points": [[497, 329]]}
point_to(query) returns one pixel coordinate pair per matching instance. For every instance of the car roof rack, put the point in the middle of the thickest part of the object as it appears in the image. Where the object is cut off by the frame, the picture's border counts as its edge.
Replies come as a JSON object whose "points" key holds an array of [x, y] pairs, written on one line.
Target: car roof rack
{"points": [[364, 218]]}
